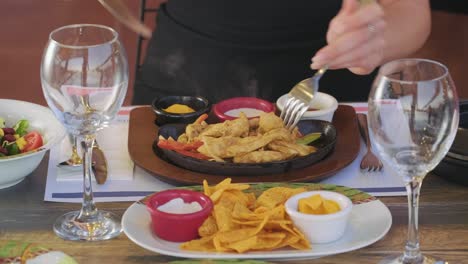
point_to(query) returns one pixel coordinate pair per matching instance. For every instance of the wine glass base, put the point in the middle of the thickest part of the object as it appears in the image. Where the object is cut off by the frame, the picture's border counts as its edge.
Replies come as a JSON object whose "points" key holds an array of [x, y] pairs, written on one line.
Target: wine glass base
{"points": [[104, 226], [398, 259]]}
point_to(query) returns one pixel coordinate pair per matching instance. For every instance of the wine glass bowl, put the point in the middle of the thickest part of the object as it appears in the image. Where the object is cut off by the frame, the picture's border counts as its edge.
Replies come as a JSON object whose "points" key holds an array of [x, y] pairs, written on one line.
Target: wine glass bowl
{"points": [[413, 119], [84, 68], [84, 76]]}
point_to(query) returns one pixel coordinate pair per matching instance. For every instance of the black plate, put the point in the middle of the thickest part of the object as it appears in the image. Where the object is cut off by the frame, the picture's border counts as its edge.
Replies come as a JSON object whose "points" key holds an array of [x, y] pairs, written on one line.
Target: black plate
{"points": [[453, 170], [460, 144], [454, 166], [325, 145]]}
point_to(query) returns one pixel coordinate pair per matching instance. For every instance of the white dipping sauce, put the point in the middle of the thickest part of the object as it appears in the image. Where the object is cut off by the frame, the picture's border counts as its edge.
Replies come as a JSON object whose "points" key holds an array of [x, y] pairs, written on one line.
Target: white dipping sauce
{"points": [[178, 206], [249, 112]]}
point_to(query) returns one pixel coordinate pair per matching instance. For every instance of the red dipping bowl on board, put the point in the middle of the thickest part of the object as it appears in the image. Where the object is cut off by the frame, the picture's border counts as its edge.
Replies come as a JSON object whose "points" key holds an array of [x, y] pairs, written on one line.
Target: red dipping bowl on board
{"points": [[178, 227], [229, 109]]}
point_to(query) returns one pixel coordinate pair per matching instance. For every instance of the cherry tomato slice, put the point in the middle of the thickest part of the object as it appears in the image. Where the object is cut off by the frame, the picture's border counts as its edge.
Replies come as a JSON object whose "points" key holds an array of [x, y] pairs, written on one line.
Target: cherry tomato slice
{"points": [[34, 141]]}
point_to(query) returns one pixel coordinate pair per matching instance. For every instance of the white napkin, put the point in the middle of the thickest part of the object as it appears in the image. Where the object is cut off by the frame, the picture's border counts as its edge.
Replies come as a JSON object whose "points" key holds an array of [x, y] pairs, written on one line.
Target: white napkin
{"points": [[113, 142]]}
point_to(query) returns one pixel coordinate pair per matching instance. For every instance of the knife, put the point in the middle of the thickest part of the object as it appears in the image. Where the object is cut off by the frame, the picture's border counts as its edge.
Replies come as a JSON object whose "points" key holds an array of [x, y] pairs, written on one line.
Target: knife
{"points": [[99, 164]]}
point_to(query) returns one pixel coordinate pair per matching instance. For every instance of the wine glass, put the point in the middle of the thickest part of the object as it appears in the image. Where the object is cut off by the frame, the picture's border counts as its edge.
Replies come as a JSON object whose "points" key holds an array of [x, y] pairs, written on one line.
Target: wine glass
{"points": [[84, 76], [413, 118]]}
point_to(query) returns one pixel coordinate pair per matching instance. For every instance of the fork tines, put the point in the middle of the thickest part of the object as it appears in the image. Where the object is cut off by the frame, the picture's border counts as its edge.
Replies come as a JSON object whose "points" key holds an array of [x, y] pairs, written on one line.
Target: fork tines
{"points": [[301, 96], [292, 112]]}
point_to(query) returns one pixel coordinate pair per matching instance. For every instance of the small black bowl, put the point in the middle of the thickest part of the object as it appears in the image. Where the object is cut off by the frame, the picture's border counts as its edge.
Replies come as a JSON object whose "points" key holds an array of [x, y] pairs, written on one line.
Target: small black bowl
{"points": [[197, 103]]}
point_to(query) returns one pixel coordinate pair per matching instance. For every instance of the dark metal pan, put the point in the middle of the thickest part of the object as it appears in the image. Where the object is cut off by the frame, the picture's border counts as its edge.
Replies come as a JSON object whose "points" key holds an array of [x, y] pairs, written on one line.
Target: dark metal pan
{"points": [[325, 145]]}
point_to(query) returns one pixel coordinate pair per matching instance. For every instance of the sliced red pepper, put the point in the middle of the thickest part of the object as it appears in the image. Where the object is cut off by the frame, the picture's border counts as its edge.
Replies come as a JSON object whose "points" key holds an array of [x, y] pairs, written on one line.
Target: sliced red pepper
{"points": [[175, 145], [187, 149], [192, 154], [201, 118]]}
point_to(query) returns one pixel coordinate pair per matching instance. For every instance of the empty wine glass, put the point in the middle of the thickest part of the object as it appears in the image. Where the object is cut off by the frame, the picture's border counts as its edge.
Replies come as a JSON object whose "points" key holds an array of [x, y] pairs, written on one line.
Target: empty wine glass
{"points": [[413, 118], [84, 75]]}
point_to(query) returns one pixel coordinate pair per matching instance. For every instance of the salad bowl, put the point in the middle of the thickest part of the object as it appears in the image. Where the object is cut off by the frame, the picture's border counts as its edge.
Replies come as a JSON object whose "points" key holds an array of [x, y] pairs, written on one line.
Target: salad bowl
{"points": [[14, 168]]}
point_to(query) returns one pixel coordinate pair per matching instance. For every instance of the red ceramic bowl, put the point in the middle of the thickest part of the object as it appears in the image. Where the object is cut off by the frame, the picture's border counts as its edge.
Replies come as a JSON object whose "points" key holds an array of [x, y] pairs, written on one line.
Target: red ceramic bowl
{"points": [[178, 227], [222, 107]]}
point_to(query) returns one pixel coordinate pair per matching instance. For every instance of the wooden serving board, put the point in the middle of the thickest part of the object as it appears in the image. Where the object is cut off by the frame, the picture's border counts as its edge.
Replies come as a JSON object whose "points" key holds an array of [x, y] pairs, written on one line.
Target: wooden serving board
{"points": [[143, 132]]}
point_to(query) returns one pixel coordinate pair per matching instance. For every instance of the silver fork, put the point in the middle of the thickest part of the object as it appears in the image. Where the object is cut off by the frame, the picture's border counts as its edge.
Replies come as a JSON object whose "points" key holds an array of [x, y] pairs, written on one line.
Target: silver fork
{"points": [[369, 162], [300, 98]]}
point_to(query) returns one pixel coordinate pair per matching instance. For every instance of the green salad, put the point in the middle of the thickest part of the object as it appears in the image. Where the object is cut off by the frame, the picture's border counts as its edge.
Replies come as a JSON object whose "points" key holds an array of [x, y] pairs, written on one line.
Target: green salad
{"points": [[17, 138]]}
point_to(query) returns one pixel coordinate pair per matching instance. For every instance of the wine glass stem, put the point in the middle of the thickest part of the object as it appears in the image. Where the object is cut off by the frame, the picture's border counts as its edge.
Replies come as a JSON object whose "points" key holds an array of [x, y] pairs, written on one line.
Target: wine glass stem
{"points": [[88, 209], [412, 250]]}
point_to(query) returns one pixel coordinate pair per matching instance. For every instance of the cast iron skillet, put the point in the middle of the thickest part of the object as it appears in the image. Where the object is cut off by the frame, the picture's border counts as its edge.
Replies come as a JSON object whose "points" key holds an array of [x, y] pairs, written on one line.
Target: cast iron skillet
{"points": [[325, 145]]}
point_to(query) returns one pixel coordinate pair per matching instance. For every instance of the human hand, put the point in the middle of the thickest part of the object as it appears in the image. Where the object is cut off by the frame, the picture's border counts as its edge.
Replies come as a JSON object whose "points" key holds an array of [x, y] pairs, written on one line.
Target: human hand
{"points": [[355, 39], [143, 30], [122, 13]]}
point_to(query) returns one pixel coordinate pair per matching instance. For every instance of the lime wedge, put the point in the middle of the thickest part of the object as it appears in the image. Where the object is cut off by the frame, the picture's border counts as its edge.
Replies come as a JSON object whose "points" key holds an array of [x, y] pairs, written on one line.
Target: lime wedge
{"points": [[309, 138]]}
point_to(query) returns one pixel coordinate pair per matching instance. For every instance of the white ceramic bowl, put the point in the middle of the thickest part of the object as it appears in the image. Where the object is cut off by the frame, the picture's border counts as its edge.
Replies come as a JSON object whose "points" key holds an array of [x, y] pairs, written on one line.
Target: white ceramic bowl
{"points": [[321, 228], [14, 169], [325, 103]]}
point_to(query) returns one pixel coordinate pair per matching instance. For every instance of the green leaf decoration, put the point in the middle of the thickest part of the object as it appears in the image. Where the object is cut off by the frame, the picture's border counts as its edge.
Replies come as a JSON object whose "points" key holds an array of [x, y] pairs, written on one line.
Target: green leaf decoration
{"points": [[356, 196]]}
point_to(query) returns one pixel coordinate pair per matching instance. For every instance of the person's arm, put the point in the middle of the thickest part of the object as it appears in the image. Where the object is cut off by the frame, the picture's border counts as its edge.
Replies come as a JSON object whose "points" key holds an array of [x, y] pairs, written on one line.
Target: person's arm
{"points": [[121, 12], [362, 38]]}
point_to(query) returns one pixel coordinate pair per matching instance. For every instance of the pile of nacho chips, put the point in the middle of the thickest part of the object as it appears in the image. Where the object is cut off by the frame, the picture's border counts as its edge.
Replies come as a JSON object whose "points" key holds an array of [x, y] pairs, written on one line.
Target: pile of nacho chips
{"points": [[241, 222]]}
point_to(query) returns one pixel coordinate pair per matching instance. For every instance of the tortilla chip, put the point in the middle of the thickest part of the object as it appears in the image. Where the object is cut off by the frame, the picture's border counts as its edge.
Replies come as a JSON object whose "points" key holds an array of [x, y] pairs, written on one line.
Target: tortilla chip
{"points": [[276, 196]]}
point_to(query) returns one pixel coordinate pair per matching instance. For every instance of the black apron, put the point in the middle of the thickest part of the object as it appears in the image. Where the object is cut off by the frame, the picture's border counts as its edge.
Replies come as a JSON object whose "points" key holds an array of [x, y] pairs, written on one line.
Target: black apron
{"points": [[220, 49]]}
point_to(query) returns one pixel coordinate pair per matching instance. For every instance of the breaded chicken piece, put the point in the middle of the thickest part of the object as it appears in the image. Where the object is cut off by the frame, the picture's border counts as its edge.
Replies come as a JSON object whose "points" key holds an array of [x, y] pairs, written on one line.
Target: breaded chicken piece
{"points": [[228, 146], [192, 131], [268, 122], [291, 148], [260, 156], [238, 127]]}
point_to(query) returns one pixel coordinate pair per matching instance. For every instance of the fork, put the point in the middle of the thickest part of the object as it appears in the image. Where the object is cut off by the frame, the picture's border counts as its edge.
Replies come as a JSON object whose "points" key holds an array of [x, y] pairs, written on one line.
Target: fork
{"points": [[301, 96], [369, 162], [74, 159]]}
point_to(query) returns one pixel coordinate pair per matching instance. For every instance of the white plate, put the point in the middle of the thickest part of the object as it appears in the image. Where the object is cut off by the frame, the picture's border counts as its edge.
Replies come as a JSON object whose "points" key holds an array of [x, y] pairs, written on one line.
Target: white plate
{"points": [[369, 222]]}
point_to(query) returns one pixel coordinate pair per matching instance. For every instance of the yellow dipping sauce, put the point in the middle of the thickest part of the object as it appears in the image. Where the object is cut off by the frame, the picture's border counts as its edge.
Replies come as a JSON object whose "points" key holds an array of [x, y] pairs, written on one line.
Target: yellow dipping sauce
{"points": [[179, 109], [315, 204]]}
